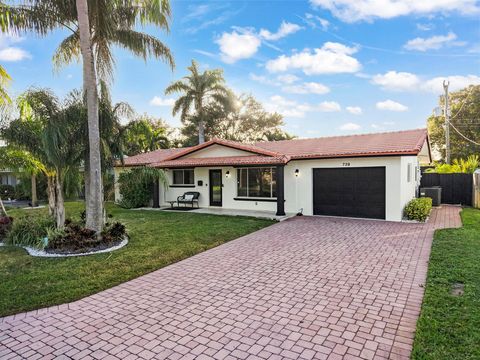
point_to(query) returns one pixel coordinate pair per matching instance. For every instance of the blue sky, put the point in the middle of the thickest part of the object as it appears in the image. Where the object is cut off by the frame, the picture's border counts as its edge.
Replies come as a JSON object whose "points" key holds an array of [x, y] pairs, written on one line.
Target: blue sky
{"points": [[329, 66]]}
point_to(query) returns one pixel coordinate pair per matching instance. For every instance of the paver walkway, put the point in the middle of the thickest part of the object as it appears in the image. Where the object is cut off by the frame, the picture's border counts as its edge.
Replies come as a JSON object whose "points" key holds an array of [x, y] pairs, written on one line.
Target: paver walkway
{"points": [[308, 287]]}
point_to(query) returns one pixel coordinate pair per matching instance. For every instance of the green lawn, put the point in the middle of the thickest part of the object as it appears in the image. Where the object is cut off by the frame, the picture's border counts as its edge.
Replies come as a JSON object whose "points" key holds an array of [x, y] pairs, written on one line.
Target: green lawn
{"points": [[449, 326], [157, 239]]}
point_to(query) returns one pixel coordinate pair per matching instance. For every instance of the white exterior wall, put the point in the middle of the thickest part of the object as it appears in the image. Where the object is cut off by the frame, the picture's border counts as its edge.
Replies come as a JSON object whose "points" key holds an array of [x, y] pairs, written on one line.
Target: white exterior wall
{"points": [[228, 194], [299, 190]]}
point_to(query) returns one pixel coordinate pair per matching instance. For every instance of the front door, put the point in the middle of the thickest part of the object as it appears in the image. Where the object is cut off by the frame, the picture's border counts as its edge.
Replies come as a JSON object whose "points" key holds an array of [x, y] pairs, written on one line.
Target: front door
{"points": [[216, 187]]}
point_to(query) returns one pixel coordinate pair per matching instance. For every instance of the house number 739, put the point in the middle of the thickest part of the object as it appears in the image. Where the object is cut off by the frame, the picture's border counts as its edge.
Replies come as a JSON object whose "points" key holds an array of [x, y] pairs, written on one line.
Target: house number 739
{"points": [[346, 164]]}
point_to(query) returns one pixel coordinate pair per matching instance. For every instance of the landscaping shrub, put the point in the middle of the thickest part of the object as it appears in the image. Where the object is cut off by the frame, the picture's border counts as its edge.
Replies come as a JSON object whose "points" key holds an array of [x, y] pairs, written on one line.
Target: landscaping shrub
{"points": [[75, 238], [7, 191], [5, 226], [136, 186], [30, 231], [418, 209]]}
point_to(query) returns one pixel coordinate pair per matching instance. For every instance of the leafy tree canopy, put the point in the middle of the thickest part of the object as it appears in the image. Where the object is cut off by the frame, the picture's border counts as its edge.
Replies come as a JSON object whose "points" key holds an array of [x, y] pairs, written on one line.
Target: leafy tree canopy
{"points": [[465, 117], [145, 134], [245, 120]]}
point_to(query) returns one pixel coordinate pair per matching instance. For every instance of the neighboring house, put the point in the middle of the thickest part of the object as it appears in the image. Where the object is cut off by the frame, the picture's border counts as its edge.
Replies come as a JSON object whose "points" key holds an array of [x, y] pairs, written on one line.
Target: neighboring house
{"points": [[7, 176], [367, 176]]}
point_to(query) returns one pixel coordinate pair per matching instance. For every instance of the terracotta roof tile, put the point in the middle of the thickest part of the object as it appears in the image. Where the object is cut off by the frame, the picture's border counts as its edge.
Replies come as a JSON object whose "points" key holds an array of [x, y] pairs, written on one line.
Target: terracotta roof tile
{"points": [[278, 152], [222, 161], [233, 144], [151, 157], [387, 143]]}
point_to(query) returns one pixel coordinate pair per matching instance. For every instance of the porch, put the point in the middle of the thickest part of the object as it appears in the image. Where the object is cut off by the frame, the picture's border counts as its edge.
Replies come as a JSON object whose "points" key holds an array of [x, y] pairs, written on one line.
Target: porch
{"points": [[227, 212]]}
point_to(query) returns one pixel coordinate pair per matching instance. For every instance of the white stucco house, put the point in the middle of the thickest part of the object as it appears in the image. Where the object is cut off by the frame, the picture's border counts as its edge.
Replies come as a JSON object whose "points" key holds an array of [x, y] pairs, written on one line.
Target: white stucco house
{"points": [[365, 176]]}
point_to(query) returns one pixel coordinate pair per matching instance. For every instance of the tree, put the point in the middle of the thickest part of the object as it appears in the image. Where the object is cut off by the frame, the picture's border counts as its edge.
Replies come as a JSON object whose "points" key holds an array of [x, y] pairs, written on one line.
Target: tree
{"points": [[145, 134], [99, 27], [4, 80], [245, 120], [24, 161], [51, 132], [199, 91], [465, 118]]}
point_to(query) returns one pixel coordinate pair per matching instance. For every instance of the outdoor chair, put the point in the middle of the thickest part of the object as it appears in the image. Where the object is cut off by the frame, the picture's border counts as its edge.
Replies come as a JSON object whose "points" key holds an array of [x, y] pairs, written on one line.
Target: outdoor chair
{"points": [[190, 197]]}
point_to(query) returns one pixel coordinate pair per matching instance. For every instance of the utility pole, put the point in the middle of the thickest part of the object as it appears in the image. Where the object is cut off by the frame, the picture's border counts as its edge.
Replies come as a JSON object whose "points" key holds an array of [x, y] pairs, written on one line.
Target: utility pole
{"points": [[447, 123]]}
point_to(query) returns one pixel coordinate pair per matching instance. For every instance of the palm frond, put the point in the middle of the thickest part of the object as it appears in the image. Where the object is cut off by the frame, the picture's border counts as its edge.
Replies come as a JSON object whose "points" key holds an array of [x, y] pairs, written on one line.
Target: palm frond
{"points": [[143, 45]]}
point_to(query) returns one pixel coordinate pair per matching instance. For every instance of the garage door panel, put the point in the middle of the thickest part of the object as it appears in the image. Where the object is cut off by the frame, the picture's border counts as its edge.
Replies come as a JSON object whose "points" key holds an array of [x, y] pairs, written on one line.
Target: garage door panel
{"points": [[352, 192]]}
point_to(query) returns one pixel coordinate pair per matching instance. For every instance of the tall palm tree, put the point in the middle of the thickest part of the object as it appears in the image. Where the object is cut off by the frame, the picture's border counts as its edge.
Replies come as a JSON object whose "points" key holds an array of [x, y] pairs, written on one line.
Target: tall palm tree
{"points": [[199, 90], [96, 26]]}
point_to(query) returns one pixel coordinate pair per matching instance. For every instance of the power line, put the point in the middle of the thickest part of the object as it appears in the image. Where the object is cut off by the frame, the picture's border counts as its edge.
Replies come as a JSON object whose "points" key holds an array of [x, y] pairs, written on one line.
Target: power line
{"points": [[464, 102], [463, 136]]}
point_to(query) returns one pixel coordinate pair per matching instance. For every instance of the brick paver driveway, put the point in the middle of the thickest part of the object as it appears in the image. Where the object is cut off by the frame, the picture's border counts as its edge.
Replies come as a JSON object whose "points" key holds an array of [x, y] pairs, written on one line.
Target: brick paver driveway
{"points": [[309, 287]]}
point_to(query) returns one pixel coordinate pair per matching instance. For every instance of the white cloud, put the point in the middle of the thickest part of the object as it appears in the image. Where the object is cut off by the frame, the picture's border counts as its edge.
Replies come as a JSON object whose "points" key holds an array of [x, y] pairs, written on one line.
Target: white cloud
{"points": [[331, 58], [457, 82], [262, 79], [235, 46], [391, 105], [355, 110], [432, 43], [399, 81], [425, 27], [285, 29], [287, 78], [350, 127], [293, 109], [312, 20], [14, 54], [287, 108], [328, 106], [306, 88], [9, 52], [368, 10], [158, 101], [404, 81]]}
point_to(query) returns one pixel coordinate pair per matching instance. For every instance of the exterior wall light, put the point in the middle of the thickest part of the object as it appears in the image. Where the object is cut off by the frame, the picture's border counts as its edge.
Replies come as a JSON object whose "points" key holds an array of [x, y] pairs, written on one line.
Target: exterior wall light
{"points": [[297, 172], [227, 174]]}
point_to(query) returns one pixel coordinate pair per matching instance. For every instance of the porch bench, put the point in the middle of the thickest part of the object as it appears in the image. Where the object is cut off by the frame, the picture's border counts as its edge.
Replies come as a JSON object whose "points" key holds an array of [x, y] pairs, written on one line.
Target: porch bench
{"points": [[190, 197]]}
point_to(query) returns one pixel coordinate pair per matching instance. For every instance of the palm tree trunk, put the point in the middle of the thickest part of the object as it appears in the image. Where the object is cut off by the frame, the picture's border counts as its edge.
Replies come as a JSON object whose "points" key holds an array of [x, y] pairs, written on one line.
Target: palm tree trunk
{"points": [[201, 132], [94, 202], [86, 177], [201, 125], [51, 195], [60, 204], [34, 189]]}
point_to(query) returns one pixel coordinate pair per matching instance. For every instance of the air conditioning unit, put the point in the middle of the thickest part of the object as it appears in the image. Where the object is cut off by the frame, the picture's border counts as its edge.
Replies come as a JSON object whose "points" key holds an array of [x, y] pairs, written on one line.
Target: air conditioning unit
{"points": [[434, 192]]}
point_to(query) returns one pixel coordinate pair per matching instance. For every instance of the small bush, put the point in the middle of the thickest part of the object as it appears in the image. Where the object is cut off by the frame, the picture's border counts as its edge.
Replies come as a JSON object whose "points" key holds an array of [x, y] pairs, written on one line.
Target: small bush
{"points": [[136, 184], [418, 209], [30, 231], [7, 191], [5, 226]]}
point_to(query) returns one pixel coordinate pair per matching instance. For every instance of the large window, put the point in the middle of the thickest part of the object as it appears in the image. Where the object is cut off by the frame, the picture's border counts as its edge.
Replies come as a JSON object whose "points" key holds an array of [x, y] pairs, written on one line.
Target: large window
{"points": [[183, 177], [257, 182]]}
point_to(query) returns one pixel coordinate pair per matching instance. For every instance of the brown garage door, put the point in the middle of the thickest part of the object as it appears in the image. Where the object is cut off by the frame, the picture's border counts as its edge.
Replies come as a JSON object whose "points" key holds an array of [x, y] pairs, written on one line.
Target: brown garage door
{"points": [[352, 192]]}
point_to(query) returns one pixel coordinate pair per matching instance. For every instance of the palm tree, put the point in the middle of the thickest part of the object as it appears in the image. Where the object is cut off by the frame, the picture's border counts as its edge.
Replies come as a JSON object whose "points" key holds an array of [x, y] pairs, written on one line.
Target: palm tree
{"points": [[95, 27], [22, 160], [199, 90], [4, 80], [51, 132]]}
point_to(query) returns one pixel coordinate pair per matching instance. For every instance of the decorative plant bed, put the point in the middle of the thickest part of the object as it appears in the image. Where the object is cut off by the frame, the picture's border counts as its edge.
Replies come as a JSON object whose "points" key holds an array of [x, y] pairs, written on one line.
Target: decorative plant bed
{"points": [[39, 236], [42, 253]]}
